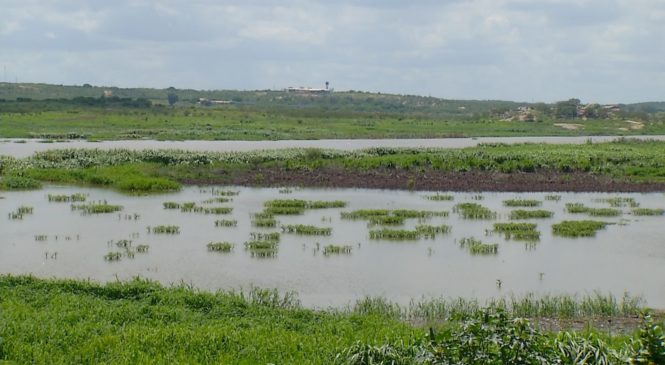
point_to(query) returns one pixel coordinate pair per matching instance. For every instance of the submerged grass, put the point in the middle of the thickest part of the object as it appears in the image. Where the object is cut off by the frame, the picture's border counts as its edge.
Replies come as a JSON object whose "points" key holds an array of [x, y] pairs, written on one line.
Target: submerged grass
{"points": [[477, 247], [531, 214], [522, 203], [337, 250], [220, 247], [164, 229], [648, 211], [584, 228], [96, 208], [473, 211], [307, 230]]}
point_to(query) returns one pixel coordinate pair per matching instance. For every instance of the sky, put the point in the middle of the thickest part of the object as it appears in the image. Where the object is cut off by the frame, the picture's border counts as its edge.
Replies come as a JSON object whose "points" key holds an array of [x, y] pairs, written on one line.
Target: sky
{"points": [[522, 50]]}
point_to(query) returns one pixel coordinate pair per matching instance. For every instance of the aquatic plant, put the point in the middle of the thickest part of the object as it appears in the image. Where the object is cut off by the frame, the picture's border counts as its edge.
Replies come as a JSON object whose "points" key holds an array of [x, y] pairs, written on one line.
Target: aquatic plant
{"points": [[41, 237], [171, 205], [218, 210], [304, 204], [64, 198], [220, 246], [620, 202], [364, 213], [284, 210], [552, 197], [226, 223], [394, 234], [337, 250], [219, 199], [576, 208], [440, 197], [429, 231], [477, 247], [409, 213], [142, 248], [583, 228], [96, 208], [647, 211], [473, 211], [307, 230], [20, 212], [164, 229], [530, 214], [262, 215], [522, 203], [224, 192], [113, 256], [385, 220], [264, 222], [263, 236]]}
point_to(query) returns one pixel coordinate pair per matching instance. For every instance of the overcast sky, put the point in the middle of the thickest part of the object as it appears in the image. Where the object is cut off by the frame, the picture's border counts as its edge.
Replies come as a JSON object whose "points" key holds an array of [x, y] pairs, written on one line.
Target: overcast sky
{"points": [[596, 50]]}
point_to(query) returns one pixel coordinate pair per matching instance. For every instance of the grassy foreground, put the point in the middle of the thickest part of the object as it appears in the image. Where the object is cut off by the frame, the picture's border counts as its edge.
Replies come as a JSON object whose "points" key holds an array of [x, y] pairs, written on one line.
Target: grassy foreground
{"points": [[64, 321], [165, 170]]}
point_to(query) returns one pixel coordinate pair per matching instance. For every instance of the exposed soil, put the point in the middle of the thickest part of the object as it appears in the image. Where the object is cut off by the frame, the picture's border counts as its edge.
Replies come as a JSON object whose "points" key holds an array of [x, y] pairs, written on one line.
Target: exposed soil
{"points": [[427, 179]]}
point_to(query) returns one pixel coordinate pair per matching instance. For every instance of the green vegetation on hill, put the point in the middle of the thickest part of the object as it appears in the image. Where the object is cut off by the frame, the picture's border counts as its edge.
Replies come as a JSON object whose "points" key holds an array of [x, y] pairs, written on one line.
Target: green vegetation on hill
{"points": [[69, 112]]}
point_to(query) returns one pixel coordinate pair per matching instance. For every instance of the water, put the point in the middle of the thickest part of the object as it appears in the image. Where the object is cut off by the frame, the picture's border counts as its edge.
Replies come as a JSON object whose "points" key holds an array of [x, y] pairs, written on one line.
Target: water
{"points": [[625, 257], [28, 147]]}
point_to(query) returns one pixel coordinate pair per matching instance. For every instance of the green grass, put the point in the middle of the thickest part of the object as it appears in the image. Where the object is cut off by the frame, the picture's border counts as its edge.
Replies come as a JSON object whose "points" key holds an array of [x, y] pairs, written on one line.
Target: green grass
{"points": [[307, 230], [97, 208], [584, 228], [67, 321], [531, 214], [220, 247], [477, 247], [49, 322], [522, 203], [648, 211], [473, 211], [161, 171]]}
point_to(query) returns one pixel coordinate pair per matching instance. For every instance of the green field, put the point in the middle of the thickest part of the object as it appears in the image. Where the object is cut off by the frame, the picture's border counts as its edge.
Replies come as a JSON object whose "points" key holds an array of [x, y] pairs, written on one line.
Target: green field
{"points": [[71, 112], [45, 321]]}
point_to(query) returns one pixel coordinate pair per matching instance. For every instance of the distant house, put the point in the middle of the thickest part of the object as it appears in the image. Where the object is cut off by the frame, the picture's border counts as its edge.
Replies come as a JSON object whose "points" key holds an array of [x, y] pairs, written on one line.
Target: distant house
{"points": [[204, 101], [309, 90]]}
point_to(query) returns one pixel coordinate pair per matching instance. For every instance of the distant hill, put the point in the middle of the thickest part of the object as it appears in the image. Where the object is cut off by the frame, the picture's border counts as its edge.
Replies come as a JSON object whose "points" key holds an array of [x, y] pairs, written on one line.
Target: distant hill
{"points": [[338, 101]]}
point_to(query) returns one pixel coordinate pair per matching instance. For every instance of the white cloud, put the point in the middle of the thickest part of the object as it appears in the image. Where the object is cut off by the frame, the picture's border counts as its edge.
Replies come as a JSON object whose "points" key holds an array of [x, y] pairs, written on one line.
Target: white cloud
{"points": [[500, 49]]}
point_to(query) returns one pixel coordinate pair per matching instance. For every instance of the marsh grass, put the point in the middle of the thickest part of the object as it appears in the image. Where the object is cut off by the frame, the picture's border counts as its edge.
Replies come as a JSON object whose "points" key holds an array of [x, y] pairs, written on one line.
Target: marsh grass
{"points": [[477, 247], [284, 210], [576, 208], [440, 197], [429, 231], [364, 214], [63, 198], [262, 248], [224, 192], [20, 212], [647, 211], [337, 250], [171, 205], [264, 222], [619, 202], [473, 211], [220, 199], [263, 236], [226, 223], [552, 197], [531, 214], [583, 228], [307, 230], [304, 204], [384, 220], [522, 203], [164, 229], [101, 207], [224, 247], [113, 256], [41, 237], [394, 234]]}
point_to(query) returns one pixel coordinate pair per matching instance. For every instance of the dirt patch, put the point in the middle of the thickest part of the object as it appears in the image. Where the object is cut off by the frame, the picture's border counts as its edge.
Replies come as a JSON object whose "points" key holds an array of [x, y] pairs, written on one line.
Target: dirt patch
{"points": [[569, 126], [635, 125], [426, 179]]}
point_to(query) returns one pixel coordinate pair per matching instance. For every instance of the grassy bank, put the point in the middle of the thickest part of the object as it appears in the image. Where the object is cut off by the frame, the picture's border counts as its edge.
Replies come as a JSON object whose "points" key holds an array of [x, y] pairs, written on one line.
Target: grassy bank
{"points": [[46, 321], [164, 170]]}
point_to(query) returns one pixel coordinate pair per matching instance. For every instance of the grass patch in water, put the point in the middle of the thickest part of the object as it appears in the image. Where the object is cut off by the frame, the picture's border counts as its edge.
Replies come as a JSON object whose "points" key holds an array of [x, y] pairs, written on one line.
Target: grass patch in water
{"points": [[522, 203], [477, 247], [531, 214], [220, 247], [584, 228]]}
